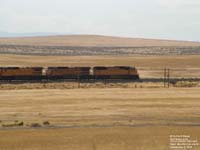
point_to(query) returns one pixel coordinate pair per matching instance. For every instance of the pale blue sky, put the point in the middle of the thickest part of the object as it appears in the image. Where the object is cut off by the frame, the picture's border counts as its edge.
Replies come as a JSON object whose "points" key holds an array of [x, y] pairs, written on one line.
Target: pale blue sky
{"points": [[167, 19]]}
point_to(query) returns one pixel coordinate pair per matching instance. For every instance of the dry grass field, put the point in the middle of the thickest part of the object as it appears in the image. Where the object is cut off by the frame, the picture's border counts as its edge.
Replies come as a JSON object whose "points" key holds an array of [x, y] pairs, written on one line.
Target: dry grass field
{"points": [[96, 106], [116, 138], [99, 119], [138, 61], [103, 117], [93, 40], [147, 65]]}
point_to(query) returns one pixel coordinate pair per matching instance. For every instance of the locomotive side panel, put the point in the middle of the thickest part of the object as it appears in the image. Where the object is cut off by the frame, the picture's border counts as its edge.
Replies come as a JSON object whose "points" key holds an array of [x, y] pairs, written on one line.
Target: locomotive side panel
{"points": [[59, 71], [16, 73], [115, 73], [20, 71], [68, 72]]}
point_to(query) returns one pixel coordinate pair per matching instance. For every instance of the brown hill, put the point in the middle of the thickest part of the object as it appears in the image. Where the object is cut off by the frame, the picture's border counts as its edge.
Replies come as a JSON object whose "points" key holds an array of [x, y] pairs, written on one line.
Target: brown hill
{"points": [[93, 40]]}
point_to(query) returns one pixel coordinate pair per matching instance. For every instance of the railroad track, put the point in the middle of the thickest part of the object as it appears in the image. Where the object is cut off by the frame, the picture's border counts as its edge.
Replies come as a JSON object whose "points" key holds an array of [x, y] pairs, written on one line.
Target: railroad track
{"points": [[172, 80]]}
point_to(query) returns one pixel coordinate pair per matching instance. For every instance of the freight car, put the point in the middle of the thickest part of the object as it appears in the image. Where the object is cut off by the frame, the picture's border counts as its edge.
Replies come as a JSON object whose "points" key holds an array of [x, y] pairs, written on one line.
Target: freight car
{"points": [[20, 73], [67, 73], [116, 72]]}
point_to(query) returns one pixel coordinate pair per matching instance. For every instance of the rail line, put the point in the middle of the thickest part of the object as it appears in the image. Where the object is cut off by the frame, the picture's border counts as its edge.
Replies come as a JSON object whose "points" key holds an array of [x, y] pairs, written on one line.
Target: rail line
{"points": [[172, 80]]}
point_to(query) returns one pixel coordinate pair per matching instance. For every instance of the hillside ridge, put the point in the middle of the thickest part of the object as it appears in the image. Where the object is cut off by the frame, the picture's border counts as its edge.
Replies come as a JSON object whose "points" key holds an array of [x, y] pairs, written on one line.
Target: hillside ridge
{"points": [[94, 41]]}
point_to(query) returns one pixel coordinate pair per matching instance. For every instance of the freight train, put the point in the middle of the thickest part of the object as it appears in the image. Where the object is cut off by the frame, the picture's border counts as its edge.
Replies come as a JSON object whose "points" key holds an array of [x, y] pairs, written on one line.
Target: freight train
{"points": [[75, 73]]}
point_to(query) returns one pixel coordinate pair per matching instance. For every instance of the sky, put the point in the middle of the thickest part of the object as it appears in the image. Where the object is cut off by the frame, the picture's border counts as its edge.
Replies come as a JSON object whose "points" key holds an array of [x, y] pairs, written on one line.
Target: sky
{"points": [[157, 19]]}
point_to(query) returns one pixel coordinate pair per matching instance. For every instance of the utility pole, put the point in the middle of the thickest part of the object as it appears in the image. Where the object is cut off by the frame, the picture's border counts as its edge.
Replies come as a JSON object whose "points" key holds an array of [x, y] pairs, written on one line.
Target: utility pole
{"points": [[78, 80], [164, 79], [168, 77]]}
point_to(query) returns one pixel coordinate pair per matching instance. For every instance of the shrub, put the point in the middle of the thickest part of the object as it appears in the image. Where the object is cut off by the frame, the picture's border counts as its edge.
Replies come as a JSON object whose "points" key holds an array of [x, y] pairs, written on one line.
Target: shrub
{"points": [[15, 124], [46, 123]]}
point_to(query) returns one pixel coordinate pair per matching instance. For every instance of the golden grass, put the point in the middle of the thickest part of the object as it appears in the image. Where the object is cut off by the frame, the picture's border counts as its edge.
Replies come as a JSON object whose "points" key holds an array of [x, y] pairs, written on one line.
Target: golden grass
{"points": [[139, 119], [93, 40], [125, 109], [115, 138], [138, 61], [96, 106], [146, 65]]}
